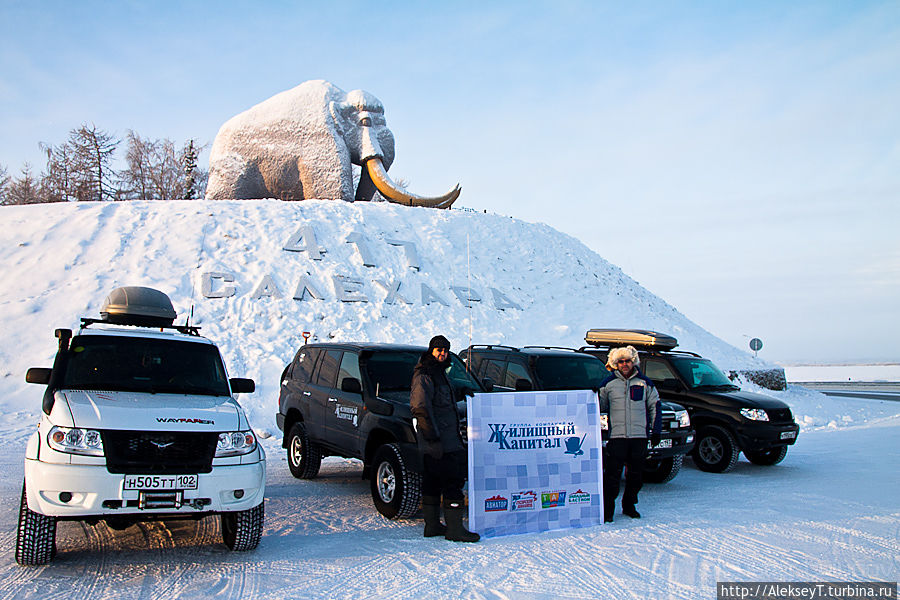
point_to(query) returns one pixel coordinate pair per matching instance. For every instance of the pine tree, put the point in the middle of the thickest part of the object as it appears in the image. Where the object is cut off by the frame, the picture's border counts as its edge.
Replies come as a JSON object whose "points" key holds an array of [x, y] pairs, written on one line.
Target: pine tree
{"points": [[189, 159], [23, 190]]}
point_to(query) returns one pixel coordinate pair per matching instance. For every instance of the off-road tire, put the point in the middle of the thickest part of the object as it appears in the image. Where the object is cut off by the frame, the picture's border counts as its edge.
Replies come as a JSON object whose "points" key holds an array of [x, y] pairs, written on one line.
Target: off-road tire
{"points": [[304, 457], [663, 470], [396, 489], [36, 536], [242, 530], [715, 450], [768, 457]]}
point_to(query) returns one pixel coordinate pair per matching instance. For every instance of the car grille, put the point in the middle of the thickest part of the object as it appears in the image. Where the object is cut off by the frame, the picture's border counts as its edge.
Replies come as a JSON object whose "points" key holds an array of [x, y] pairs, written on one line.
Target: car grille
{"points": [[667, 417], [158, 452], [780, 415]]}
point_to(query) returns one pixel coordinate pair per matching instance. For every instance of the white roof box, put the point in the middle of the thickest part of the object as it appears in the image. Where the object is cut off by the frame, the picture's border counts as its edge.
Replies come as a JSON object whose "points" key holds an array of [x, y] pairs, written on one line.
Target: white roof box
{"points": [[639, 338], [141, 306]]}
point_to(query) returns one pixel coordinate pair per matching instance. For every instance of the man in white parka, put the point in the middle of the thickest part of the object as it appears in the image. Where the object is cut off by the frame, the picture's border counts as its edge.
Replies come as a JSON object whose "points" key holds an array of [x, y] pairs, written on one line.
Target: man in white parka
{"points": [[632, 402]]}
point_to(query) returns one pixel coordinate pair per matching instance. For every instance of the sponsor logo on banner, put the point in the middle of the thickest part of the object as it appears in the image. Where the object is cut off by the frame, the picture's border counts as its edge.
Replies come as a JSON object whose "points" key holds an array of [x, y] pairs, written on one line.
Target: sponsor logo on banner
{"points": [[495, 504], [553, 499], [523, 500], [579, 497]]}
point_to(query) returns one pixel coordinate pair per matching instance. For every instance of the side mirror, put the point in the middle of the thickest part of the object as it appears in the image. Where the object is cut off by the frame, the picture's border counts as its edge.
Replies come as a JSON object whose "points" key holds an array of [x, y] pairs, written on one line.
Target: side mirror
{"points": [[524, 385], [239, 385], [38, 375], [351, 385], [488, 384]]}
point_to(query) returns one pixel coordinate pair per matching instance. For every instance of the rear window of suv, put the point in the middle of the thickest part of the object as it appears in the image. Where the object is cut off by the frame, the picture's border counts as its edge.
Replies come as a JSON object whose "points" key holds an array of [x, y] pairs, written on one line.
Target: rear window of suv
{"points": [[129, 364]]}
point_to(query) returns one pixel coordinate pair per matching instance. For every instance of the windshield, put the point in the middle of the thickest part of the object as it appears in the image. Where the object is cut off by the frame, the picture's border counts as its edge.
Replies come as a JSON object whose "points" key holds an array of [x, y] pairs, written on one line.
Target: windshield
{"points": [[130, 364], [569, 372], [393, 371], [702, 373]]}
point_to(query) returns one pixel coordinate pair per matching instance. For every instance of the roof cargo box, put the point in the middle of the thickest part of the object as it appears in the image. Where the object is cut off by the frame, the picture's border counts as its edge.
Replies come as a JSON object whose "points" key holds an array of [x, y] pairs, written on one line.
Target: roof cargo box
{"points": [[639, 338], [141, 306]]}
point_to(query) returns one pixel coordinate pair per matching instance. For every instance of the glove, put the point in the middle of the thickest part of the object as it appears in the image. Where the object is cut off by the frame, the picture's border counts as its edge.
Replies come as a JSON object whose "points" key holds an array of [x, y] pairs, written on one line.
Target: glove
{"points": [[654, 439]]}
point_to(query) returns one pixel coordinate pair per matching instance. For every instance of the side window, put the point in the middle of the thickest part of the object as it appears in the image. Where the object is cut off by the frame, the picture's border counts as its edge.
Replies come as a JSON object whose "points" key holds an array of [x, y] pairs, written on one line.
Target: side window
{"points": [[658, 371], [494, 369], [514, 372], [328, 368], [349, 368], [302, 367], [473, 363]]}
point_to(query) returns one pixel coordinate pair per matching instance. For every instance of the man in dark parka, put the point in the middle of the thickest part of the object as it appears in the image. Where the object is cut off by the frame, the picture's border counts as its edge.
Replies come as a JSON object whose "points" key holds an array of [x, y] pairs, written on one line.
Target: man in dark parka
{"points": [[443, 451]]}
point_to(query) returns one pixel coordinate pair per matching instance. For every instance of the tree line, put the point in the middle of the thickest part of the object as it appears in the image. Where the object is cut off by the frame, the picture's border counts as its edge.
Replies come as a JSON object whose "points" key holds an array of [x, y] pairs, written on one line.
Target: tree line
{"points": [[81, 170]]}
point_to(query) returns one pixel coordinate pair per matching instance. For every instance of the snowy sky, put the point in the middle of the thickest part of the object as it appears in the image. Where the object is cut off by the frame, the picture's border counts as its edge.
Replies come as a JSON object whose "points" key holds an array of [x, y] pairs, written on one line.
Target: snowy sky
{"points": [[741, 161]]}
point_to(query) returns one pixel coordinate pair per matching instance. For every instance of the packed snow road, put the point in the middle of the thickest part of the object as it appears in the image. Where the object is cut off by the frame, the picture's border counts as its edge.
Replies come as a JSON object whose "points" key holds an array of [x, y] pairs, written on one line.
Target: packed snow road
{"points": [[829, 512]]}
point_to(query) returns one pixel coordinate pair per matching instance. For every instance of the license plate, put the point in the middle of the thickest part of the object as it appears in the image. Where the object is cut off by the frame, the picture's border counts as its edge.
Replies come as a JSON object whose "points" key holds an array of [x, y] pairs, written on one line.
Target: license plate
{"points": [[161, 482], [788, 435], [666, 443]]}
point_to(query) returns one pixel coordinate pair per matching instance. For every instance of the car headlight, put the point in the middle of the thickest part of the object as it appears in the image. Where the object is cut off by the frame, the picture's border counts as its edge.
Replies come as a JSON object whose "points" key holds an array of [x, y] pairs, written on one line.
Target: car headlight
{"points": [[74, 440], [684, 419], [234, 443], [754, 414]]}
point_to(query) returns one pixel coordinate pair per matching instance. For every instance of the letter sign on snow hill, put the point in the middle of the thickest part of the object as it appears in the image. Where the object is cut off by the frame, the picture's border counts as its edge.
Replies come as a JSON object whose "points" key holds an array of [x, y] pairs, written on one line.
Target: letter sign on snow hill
{"points": [[535, 462]]}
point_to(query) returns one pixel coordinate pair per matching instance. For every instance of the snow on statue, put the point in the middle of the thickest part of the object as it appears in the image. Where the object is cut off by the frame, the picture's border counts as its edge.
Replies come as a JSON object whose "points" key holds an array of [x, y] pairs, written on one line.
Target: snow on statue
{"points": [[300, 144]]}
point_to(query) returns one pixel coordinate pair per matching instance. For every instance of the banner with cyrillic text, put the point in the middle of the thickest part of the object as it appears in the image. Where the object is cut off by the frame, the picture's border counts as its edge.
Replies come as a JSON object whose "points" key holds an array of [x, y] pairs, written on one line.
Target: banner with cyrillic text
{"points": [[535, 462]]}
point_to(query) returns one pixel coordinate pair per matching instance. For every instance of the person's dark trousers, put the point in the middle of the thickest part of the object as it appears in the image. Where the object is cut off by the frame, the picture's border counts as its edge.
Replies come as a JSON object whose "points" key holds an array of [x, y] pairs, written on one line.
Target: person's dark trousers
{"points": [[445, 476], [628, 453]]}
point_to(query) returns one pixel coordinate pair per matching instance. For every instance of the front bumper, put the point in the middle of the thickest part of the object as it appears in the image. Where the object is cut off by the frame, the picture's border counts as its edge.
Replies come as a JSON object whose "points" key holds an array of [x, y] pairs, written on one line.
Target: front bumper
{"points": [[760, 435], [93, 491], [682, 443]]}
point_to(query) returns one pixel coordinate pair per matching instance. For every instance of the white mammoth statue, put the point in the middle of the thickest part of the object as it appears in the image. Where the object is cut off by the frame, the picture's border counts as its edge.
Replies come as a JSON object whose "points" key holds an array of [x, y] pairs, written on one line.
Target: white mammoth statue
{"points": [[301, 143]]}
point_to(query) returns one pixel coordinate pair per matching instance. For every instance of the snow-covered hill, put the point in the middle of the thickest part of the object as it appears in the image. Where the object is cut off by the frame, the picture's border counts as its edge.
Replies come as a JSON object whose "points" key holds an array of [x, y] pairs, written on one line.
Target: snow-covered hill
{"points": [[364, 271]]}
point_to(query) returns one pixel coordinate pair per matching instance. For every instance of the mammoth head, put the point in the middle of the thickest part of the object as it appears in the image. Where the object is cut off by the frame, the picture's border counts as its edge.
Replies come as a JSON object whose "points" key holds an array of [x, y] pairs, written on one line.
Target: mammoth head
{"points": [[360, 122]]}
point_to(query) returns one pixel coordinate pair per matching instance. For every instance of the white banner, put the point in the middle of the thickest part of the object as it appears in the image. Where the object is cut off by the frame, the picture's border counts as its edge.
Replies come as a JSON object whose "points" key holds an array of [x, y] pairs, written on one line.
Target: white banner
{"points": [[535, 462]]}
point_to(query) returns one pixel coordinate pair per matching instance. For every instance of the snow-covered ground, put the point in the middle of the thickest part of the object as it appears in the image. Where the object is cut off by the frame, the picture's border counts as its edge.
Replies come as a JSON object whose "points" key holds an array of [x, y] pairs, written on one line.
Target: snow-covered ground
{"points": [[828, 512]]}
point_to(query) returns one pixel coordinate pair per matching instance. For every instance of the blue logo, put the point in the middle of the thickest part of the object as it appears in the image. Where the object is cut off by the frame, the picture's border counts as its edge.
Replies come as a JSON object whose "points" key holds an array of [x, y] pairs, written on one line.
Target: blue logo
{"points": [[573, 445]]}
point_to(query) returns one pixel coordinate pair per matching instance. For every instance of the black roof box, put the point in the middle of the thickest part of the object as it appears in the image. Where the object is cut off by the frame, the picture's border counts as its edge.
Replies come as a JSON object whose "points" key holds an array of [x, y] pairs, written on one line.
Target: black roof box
{"points": [[639, 338], [141, 306]]}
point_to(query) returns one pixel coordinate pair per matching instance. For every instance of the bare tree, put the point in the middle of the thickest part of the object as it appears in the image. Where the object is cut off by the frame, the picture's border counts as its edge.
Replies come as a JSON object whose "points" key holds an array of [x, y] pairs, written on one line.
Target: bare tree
{"points": [[23, 190], [4, 185], [136, 177], [92, 151], [56, 180]]}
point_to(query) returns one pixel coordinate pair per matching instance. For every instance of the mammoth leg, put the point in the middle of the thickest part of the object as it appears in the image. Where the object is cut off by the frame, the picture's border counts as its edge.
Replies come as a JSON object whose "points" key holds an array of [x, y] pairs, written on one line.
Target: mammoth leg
{"points": [[366, 189]]}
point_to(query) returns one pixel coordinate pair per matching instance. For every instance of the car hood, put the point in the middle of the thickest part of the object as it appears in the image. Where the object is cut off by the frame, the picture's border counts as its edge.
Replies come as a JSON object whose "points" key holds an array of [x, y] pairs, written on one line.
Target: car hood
{"points": [[751, 399], [138, 411]]}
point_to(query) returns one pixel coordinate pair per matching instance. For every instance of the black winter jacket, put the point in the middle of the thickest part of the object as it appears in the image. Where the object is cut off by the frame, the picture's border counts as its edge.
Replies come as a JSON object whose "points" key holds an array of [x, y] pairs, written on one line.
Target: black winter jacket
{"points": [[434, 409]]}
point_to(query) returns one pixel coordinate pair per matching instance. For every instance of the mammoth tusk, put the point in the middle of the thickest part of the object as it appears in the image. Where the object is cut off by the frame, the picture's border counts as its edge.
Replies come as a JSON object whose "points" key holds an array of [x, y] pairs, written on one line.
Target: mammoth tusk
{"points": [[395, 193]]}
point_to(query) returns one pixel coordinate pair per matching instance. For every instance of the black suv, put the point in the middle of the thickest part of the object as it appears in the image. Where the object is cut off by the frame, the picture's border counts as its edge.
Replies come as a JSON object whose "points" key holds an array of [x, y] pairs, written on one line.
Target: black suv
{"points": [[504, 368], [728, 421], [352, 400]]}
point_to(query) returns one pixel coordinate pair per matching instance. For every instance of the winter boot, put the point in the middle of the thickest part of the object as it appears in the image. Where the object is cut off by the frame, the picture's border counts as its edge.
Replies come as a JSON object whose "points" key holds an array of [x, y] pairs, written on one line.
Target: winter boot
{"points": [[431, 510], [456, 531], [631, 511]]}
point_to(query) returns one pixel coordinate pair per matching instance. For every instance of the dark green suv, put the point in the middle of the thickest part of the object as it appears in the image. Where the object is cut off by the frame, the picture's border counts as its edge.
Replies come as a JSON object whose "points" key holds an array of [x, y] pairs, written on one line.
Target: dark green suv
{"points": [[541, 368], [728, 420], [352, 400]]}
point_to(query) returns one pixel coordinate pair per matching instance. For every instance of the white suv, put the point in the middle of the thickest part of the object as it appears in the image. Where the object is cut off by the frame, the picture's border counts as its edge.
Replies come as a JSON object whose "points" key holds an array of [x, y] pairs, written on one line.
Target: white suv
{"points": [[139, 423]]}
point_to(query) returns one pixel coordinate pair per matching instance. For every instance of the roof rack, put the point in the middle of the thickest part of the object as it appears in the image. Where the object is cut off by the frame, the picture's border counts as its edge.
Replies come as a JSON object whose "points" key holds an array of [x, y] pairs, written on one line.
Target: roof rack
{"points": [[604, 347], [492, 346], [185, 329], [550, 348]]}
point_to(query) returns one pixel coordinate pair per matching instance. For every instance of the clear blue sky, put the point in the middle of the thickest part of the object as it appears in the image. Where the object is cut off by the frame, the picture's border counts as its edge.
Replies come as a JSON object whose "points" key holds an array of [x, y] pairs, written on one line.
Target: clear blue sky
{"points": [[741, 160]]}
